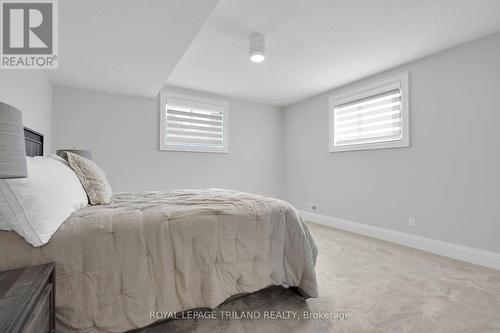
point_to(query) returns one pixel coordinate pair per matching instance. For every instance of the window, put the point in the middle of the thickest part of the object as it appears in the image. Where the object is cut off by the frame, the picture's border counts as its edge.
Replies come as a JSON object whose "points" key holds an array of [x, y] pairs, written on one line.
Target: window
{"points": [[375, 116], [193, 124]]}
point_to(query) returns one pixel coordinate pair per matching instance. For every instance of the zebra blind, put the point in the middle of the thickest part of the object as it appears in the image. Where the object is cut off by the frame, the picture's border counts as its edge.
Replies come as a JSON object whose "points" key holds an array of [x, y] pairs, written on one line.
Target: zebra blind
{"points": [[195, 126], [375, 117]]}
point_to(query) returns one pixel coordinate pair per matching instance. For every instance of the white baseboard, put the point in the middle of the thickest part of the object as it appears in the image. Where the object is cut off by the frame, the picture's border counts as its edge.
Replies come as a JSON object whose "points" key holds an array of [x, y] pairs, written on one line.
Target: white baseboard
{"points": [[451, 250]]}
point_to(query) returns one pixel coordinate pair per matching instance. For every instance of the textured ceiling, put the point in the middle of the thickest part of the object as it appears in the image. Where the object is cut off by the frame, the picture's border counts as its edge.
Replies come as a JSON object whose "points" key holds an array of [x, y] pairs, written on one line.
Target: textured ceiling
{"points": [[125, 46], [316, 45]]}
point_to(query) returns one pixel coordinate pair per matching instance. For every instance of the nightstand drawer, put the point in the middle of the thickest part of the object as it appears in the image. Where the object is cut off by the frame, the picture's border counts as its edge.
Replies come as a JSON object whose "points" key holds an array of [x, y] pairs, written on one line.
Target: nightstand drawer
{"points": [[27, 299], [39, 319]]}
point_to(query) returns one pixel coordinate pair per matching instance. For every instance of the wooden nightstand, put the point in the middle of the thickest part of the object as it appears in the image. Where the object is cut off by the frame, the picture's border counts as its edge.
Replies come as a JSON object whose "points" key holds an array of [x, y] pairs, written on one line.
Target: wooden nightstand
{"points": [[27, 299]]}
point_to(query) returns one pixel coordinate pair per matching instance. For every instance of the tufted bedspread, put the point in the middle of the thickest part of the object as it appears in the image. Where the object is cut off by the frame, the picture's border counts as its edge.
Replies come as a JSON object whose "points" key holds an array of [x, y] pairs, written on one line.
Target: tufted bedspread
{"points": [[174, 251]]}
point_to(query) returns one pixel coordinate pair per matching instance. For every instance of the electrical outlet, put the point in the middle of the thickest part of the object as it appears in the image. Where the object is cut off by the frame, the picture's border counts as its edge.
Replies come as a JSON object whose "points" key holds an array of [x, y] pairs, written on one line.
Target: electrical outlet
{"points": [[312, 206], [412, 222]]}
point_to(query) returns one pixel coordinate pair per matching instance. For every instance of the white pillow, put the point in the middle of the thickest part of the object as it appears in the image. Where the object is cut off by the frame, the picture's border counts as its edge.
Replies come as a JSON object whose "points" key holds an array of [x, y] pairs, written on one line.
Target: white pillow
{"points": [[36, 206], [58, 158]]}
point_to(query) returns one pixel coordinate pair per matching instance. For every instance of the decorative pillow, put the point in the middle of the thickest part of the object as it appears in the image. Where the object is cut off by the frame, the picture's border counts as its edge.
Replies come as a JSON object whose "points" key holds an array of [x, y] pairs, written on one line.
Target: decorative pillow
{"points": [[92, 178], [58, 158], [36, 206]]}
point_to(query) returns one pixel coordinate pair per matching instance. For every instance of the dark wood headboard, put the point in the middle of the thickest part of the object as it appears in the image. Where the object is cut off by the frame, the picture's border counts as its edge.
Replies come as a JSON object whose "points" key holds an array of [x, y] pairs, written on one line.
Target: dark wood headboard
{"points": [[34, 142]]}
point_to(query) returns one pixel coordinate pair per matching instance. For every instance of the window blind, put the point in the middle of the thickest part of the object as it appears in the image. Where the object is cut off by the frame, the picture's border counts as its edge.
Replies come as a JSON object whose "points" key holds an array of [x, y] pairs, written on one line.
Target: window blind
{"points": [[194, 127], [373, 119]]}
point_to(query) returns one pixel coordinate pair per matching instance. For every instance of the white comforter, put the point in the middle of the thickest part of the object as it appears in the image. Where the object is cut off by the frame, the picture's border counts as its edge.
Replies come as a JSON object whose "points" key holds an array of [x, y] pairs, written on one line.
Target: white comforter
{"points": [[168, 252]]}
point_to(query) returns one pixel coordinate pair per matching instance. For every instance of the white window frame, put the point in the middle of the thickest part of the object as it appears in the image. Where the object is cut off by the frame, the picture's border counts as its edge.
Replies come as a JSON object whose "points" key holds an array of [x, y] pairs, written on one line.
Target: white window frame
{"points": [[196, 101], [399, 81]]}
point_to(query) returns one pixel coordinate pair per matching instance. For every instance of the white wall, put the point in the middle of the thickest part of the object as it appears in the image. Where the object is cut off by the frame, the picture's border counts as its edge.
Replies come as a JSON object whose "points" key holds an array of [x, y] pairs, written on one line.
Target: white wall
{"points": [[31, 92], [123, 134], [448, 179]]}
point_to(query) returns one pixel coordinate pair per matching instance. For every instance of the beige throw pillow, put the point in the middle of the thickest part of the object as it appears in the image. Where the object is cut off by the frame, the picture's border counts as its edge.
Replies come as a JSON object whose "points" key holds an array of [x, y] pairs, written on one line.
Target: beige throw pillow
{"points": [[92, 177]]}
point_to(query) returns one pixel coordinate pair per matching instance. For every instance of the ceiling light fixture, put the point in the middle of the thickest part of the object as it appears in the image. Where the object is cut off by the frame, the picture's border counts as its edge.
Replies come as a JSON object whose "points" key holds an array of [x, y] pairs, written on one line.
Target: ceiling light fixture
{"points": [[257, 47]]}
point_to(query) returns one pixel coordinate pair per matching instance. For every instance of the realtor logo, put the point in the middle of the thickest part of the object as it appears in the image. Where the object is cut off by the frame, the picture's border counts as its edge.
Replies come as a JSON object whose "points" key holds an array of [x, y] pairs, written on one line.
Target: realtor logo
{"points": [[29, 38]]}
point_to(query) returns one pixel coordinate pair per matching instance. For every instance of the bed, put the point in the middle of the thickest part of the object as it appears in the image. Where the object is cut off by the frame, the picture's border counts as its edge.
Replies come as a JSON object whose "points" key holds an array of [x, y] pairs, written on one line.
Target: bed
{"points": [[169, 252]]}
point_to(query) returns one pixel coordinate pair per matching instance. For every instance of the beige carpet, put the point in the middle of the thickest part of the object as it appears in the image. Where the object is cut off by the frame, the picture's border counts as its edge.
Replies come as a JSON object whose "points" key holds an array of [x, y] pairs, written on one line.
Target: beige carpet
{"points": [[383, 286]]}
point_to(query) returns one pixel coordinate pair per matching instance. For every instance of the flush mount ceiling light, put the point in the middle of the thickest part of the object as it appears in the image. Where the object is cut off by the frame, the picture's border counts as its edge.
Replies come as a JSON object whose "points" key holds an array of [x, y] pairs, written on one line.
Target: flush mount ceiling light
{"points": [[257, 47]]}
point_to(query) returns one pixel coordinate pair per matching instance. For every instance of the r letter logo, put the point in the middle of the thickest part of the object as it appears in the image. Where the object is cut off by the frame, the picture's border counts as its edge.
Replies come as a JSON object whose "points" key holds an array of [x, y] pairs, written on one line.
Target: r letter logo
{"points": [[29, 38]]}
